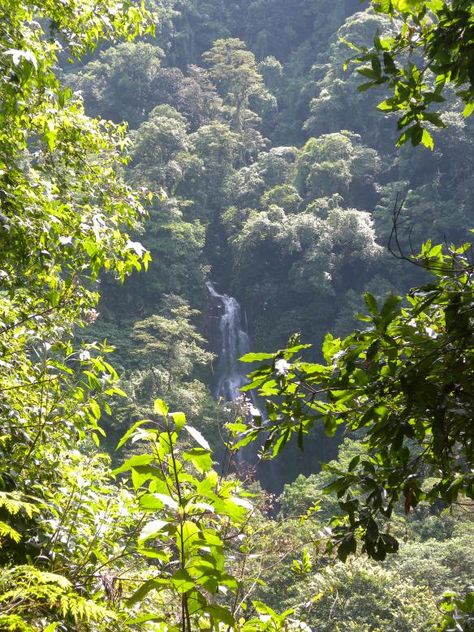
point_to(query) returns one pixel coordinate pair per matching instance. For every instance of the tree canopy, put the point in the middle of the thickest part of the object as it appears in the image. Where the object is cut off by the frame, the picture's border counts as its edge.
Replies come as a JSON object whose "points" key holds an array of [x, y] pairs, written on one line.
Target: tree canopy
{"points": [[432, 48], [266, 174], [403, 383]]}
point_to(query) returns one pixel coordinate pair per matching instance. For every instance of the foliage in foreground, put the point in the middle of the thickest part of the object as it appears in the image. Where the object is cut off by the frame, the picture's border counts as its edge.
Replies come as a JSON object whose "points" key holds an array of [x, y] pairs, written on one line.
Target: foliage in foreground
{"points": [[197, 535], [65, 213], [434, 557], [431, 48], [67, 531], [405, 383]]}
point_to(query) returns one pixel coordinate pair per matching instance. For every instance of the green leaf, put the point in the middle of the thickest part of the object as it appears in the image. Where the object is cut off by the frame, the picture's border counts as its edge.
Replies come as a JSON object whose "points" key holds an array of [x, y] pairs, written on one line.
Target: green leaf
{"points": [[95, 408], [469, 109], [197, 436], [416, 135], [160, 408], [434, 118], [219, 614], [330, 347], [164, 499], [242, 502], [139, 459], [179, 420], [200, 458], [256, 357], [118, 391], [405, 136], [236, 428], [347, 547], [427, 140], [390, 308], [150, 502], [351, 45], [390, 543], [371, 303], [354, 463], [9, 532], [389, 64], [147, 617], [182, 581], [152, 529], [368, 72], [145, 588], [130, 432]]}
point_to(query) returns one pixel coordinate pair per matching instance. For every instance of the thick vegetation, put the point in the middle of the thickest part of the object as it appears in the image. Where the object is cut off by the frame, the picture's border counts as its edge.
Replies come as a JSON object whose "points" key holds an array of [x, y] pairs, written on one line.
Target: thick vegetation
{"points": [[235, 142]]}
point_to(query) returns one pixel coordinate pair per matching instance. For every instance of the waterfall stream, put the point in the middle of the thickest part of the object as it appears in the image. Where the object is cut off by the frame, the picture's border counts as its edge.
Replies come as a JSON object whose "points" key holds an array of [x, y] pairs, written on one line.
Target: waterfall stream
{"points": [[231, 341], [234, 343]]}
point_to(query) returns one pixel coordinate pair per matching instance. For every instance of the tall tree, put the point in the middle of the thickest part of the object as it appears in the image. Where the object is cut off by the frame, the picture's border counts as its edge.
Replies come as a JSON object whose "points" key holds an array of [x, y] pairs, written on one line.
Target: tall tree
{"points": [[113, 93], [235, 72], [64, 215]]}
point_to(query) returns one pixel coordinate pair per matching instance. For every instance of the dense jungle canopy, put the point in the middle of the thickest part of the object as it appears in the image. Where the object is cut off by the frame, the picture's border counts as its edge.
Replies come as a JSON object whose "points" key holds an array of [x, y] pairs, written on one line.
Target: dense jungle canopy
{"points": [[184, 182]]}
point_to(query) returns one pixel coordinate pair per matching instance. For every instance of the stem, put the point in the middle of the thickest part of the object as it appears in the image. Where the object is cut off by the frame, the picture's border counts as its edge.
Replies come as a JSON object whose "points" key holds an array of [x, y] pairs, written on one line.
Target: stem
{"points": [[185, 616]]}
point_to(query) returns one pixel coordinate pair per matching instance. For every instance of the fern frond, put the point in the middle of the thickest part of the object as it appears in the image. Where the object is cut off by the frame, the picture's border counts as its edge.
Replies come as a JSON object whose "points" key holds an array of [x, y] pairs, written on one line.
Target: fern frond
{"points": [[14, 623], [9, 532], [82, 609], [13, 503], [28, 590]]}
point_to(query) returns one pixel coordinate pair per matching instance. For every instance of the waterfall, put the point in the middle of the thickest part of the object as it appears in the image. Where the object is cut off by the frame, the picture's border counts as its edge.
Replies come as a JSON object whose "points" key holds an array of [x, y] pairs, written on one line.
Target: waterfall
{"points": [[234, 343], [231, 342], [229, 337]]}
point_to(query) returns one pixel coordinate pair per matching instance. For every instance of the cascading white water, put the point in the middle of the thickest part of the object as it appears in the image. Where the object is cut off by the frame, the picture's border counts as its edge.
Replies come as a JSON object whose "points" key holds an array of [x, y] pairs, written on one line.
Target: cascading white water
{"points": [[234, 343]]}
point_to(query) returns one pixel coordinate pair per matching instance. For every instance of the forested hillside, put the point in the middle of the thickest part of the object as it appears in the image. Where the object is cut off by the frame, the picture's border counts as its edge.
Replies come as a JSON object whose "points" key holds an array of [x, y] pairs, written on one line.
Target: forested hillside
{"points": [[276, 178], [192, 182]]}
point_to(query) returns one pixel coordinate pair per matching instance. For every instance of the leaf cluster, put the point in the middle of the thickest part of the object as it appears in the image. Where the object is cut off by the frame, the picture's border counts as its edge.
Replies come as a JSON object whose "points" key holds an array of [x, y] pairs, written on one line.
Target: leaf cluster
{"points": [[432, 47], [404, 382]]}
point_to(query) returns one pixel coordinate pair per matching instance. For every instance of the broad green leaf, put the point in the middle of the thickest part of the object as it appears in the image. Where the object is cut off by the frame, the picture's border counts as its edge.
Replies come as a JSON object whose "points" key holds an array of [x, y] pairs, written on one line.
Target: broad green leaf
{"points": [[164, 499], [152, 529], [407, 6], [95, 408], [150, 502], [219, 614], [236, 428], [242, 502], [256, 357], [200, 458], [347, 547], [145, 618], [197, 436], [182, 581], [153, 553], [148, 472], [179, 419], [199, 507], [160, 407], [139, 459], [130, 432], [145, 588], [469, 109]]}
